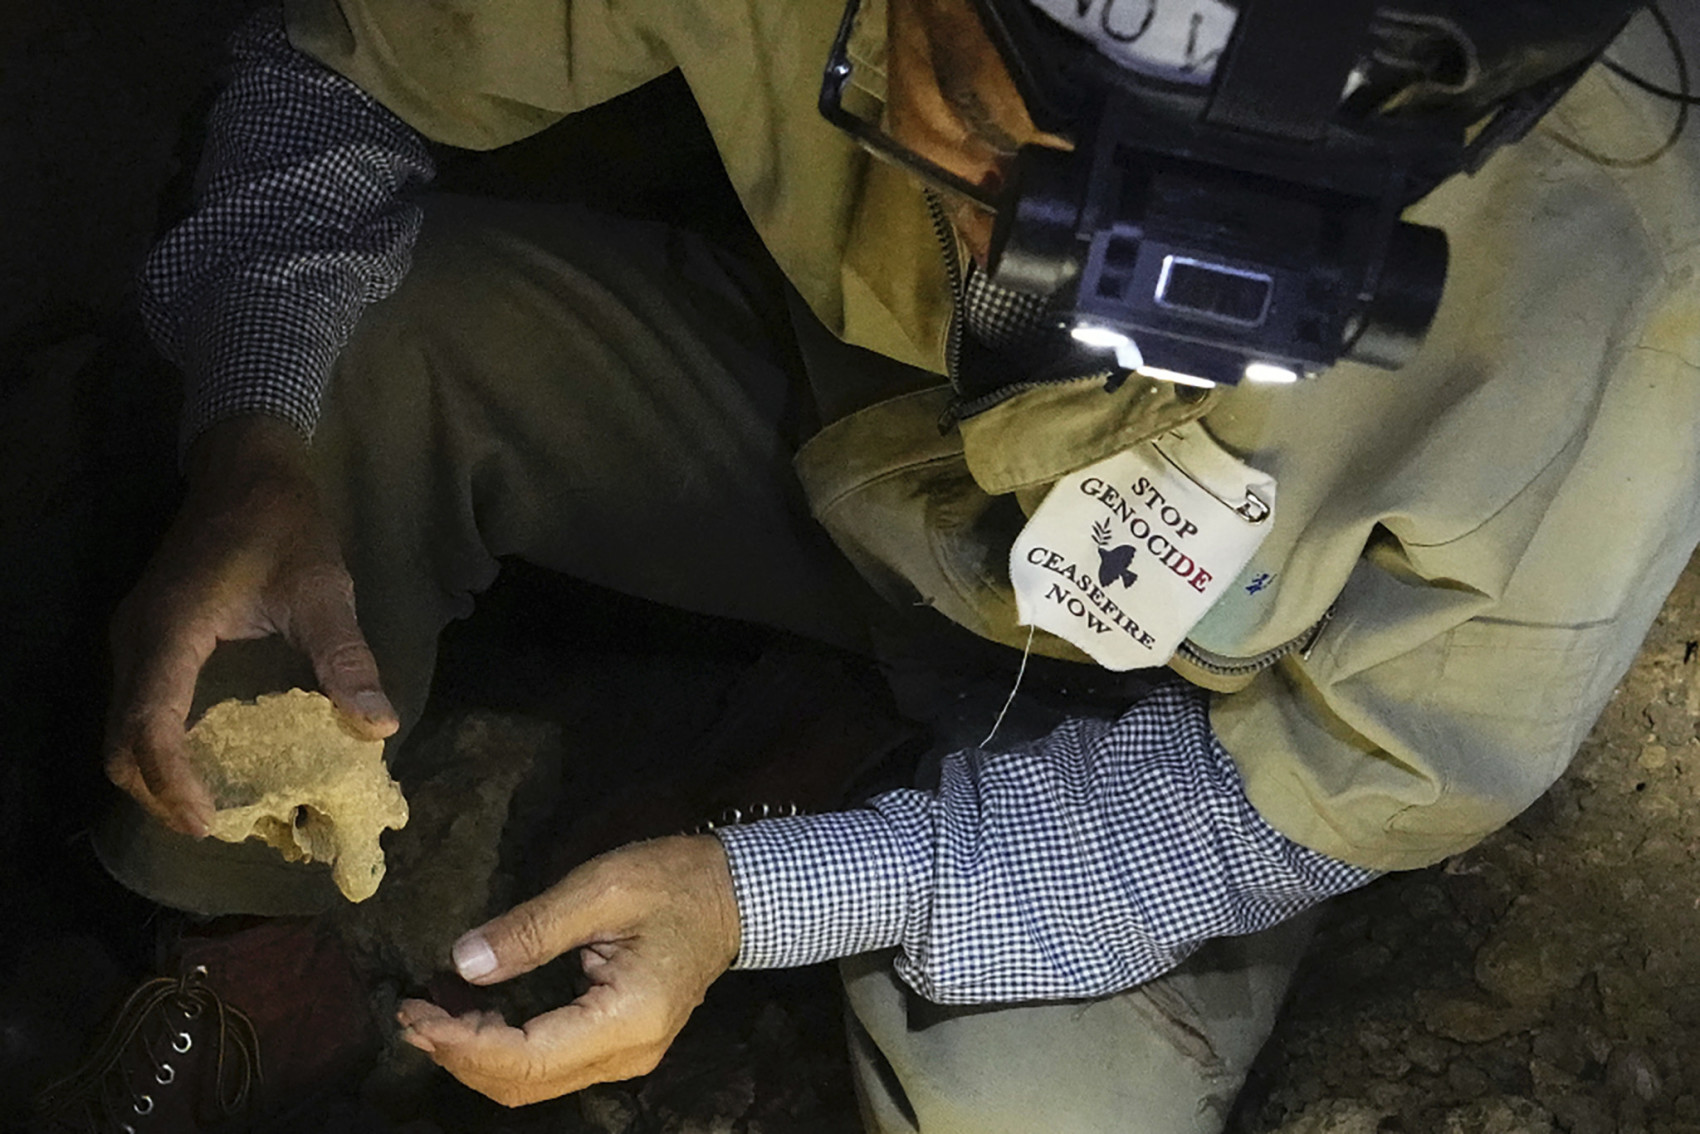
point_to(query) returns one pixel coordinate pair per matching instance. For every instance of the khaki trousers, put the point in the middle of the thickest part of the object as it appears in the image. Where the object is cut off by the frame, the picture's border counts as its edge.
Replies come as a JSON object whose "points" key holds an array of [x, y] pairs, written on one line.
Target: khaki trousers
{"points": [[620, 401]]}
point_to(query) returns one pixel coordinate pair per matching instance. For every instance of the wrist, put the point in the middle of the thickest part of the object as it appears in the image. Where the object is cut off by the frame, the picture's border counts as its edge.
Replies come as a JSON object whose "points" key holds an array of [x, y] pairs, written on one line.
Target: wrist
{"points": [[709, 862], [250, 474], [254, 445]]}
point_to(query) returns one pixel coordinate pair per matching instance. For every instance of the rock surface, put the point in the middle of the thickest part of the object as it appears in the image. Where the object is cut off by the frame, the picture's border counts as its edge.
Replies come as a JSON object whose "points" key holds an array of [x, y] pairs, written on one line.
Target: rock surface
{"points": [[445, 863]]}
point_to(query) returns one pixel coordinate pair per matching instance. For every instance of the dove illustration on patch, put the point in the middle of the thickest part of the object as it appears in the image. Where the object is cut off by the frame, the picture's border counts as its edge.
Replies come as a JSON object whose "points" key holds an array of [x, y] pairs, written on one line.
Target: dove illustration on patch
{"points": [[1125, 556]]}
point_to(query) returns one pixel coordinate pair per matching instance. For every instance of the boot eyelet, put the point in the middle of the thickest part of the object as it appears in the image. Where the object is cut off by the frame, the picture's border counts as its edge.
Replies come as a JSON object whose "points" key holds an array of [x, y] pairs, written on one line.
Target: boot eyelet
{"points": [[166, 1075], [182, 1042], [136, 1104]]}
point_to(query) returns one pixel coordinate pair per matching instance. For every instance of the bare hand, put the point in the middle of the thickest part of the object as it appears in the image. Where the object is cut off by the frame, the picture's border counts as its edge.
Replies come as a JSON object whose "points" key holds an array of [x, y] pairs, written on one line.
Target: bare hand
{"points": [[656, 923], [250, 554]]}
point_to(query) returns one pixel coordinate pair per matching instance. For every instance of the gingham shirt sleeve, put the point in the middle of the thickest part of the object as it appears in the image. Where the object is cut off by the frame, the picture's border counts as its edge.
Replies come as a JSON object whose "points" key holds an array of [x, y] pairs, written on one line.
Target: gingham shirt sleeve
{"points": [[301, 219], [1080, 865]]}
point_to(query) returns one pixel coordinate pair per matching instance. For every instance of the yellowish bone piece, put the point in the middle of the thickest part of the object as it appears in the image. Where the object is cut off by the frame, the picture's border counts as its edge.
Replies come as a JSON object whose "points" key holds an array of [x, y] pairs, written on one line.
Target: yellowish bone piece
{"points": [[284, 769]]}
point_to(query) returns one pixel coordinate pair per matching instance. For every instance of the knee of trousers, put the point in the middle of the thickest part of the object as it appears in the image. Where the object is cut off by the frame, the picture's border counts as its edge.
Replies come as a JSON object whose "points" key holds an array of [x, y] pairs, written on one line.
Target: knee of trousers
{"points": [[462, 301], [499, 290], [529, 344], [599, 396], [1168, 1057]]}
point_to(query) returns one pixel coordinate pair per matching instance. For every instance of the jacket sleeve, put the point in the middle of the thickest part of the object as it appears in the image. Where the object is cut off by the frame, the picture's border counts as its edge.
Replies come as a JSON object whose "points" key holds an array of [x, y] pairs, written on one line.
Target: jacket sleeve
{"points": [[1497, 524], [1458, 677], [478, 75]]}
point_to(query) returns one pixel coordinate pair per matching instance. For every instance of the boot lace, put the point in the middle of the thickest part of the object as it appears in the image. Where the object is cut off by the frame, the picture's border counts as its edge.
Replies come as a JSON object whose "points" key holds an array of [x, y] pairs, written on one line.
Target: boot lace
{"points": [[105, 1095]]}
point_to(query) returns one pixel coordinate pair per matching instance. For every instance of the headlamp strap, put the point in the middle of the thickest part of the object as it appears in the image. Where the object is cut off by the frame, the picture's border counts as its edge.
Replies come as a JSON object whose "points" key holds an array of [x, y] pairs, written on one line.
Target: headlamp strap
{"points": [[1286, 66]]}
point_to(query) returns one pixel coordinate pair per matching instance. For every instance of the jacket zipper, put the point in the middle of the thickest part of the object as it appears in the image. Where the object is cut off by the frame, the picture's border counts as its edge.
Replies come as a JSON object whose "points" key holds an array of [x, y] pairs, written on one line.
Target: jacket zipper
{"points": [[1223, 666], [961, 407], [958, 288]]}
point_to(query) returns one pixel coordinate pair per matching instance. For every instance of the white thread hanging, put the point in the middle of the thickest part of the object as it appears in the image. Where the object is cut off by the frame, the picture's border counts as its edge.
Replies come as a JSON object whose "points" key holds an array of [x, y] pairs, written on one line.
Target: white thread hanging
{"points": [[1026, 652]]}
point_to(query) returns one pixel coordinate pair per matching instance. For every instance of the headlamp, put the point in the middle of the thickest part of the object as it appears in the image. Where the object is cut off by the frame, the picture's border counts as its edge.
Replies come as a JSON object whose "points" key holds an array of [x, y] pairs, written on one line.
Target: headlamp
{"points": [[1231, 207]]}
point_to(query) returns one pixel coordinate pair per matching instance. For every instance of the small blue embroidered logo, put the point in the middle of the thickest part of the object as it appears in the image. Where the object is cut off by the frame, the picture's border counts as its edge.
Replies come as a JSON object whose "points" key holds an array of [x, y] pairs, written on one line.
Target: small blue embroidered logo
{"points": [[1258, 583]]}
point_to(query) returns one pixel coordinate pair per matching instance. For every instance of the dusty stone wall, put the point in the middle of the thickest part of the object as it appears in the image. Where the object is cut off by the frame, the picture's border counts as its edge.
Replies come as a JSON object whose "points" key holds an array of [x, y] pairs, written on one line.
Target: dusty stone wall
{"points": [[94, 99]]}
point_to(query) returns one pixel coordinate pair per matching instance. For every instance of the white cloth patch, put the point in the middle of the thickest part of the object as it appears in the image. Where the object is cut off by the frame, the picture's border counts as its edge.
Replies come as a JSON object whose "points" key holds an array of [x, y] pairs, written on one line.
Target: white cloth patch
{"points": [[1125, 556], [1176, 40]]}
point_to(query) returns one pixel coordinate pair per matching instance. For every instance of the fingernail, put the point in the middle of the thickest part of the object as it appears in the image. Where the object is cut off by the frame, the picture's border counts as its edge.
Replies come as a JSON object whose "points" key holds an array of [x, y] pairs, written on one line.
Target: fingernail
{"points": [[372, 705], [473, 957], [409, 1036]]}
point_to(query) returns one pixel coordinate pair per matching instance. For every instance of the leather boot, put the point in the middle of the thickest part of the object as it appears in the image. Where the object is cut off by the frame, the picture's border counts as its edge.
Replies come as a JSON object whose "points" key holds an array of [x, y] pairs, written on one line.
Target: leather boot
{"points": [[259, 1021]]}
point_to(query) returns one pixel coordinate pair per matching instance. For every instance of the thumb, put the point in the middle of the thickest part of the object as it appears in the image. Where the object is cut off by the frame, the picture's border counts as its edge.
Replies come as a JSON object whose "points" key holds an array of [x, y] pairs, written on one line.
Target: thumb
{"points": [[533, 933], [324, 627]]}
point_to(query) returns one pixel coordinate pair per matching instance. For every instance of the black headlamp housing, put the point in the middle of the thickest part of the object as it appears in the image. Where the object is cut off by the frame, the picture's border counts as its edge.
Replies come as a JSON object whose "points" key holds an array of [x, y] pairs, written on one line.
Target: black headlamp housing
{"points": [[1253, 225]]}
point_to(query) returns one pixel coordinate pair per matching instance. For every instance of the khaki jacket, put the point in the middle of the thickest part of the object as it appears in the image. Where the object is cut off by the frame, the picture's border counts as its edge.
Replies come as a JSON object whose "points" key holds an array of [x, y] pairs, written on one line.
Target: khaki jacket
{"points": [[1493, 528]]}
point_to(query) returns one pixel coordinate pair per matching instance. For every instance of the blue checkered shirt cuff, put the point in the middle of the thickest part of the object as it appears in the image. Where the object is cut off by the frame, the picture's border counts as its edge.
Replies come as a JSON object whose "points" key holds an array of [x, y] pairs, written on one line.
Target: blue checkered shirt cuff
{"points": [[1080, 865]]}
